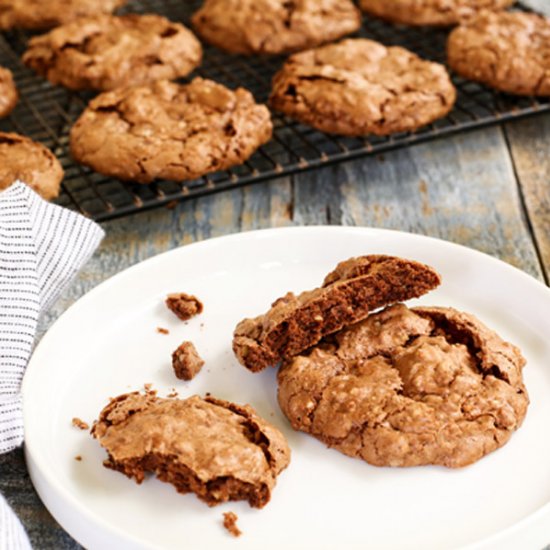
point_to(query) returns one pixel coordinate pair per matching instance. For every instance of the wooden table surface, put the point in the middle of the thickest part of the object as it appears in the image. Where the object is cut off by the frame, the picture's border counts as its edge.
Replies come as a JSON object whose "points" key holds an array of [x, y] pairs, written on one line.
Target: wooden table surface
{"points": [[487, 189]]}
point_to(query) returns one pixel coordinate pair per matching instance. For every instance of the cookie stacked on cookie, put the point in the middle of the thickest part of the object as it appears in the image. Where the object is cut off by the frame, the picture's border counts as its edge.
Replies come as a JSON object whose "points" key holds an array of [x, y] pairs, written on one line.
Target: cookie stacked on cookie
{"points": [[393, 387]]}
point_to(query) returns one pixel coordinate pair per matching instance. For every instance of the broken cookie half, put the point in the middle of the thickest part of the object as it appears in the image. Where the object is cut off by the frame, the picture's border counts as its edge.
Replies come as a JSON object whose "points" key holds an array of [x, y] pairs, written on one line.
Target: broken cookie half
{"points": [[216, 449], [348, 294]]}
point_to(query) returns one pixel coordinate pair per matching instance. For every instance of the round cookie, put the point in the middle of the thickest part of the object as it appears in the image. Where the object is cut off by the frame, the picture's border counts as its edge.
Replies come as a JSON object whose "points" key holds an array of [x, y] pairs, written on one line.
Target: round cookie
{"points": [[8, 92], [32, 163], [170, 131], [408, 387], [429, 12], [107, 52], [274, 26], [42, 14], [507, 51], [358, 87]]}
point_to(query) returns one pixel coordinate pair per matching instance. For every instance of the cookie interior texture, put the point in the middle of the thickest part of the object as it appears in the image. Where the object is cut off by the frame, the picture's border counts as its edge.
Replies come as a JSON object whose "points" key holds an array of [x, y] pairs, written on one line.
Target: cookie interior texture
{"points": [[170, 131], [408, 387], [509, 51], [218, 450], [31, 162], [106, 52], [358, 87], [430, 12], [8, 92], [45, 14], [348, 294], [274, 26]]}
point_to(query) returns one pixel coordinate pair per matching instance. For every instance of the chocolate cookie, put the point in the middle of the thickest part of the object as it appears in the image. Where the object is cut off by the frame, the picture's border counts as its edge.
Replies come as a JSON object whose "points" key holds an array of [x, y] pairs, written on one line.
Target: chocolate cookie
{"points": [[107, 52], [8, 92], [507, 51], [218, 450], [359, 87], [274, 26], [42, 14], [408, 387], [32, 163], [430, 12], [169, 131], [349, 293]]}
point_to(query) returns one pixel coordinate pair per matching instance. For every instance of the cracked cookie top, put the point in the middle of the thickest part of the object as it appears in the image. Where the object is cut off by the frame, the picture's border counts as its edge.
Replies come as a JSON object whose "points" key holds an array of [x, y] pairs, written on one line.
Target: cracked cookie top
{"points": [[197, 444], [509, 51], [8, 92], [107, 52], [41, 14], [359, 87], [274, 26], [430, 12], [170, 131], [348, 294], [31, 162], [408, 387]]}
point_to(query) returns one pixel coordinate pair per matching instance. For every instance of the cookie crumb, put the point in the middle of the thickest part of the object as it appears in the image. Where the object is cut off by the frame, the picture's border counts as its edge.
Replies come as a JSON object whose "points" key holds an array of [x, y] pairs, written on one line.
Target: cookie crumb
{"points": [[162, 330], [80, 424], [78, 457], [186, 361], [173, 393], [230, 523], [184, 305]]}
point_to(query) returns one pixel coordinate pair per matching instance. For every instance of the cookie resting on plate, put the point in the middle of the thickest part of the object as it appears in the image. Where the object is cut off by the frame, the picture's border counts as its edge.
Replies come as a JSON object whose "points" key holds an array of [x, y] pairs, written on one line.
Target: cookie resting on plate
{"points": [[107, 52], [506, 51], [31, 162], [274, 26], [408, 387], [170, 131], [45, 14], [430, 12], [358, 87], [349, 293], [218, 450], [8, 92]]}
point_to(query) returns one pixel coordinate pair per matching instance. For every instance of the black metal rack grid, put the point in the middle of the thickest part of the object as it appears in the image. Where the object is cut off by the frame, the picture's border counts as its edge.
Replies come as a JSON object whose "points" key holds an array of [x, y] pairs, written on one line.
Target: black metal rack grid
{"points": [[46, 113]]}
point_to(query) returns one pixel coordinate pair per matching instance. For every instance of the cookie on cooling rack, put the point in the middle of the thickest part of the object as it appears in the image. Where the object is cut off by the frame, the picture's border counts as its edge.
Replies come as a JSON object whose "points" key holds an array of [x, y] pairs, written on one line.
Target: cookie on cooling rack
{"points": [[169, 131], [8, 92], [509, 51], [274, 26], [107, 52], [429, 12], [45, 14], [408, 387], [358, 87], [32, 163], [218, 450]]}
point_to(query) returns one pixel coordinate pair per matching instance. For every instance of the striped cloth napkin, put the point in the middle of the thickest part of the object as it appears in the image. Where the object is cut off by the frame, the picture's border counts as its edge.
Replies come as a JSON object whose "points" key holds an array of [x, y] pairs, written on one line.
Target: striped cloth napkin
{"points": [[42, 247]]}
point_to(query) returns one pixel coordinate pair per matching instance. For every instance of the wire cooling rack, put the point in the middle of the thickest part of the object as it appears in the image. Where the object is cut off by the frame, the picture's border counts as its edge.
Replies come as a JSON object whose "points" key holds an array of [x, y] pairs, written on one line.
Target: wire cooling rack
{"points": [[46, 113]]}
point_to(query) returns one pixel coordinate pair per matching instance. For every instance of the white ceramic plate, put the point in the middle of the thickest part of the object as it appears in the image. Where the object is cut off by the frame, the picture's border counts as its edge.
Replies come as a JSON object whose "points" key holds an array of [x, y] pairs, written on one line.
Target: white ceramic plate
{"points": [[107, 344]]}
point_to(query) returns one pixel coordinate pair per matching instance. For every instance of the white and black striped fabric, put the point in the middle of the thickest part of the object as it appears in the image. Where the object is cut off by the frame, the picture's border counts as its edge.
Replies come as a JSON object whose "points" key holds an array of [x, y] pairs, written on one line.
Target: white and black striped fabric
{"points": [[42, 246]]}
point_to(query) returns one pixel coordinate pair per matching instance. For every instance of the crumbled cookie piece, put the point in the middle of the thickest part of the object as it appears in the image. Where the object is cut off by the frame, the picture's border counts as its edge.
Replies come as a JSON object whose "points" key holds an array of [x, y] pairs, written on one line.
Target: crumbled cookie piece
{"points": [[358, 87], [509, 51], [218, 450], [162, 330], [80, 424], [78, 458], [186, 361], [169, 131], [349, 293], [230, 523], [8, 92], [430, 12], [408, 387], [184, 305], [41, 15], [274, 26], [108, 52], [31, 162]]}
